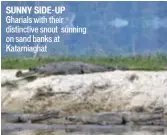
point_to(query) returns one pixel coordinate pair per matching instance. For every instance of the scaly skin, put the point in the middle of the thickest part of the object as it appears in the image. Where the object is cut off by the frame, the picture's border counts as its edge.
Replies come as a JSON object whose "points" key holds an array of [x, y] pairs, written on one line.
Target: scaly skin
{"points": [[64, 68]]}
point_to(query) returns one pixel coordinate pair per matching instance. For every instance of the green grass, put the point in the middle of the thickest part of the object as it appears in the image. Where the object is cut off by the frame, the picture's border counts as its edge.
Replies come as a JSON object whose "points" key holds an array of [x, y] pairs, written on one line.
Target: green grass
{"points": [[156, 62]]}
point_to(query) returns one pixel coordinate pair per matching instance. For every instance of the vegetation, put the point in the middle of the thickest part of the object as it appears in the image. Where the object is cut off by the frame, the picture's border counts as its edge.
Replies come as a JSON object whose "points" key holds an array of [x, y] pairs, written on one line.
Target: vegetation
{"points": [[156, 62]]}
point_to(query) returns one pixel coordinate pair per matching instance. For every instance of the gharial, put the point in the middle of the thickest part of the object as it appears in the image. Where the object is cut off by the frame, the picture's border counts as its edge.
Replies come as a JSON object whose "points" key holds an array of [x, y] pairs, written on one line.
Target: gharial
{"points": [[64, 68]]}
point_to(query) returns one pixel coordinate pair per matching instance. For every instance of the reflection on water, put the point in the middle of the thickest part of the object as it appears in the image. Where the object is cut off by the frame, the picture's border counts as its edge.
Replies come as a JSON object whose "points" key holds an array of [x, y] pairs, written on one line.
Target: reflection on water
{"points": [[61, 132]]}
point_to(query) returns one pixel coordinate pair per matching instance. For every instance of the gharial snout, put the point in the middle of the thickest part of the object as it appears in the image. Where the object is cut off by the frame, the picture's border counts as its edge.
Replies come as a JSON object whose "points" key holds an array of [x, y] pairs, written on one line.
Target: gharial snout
{"points": [[19, 73]]}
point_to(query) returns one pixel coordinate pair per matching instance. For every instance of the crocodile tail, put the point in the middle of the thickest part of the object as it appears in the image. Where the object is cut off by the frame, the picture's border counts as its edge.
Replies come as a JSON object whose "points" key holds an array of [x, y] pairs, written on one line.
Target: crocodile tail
{"points": [[118, 68]]}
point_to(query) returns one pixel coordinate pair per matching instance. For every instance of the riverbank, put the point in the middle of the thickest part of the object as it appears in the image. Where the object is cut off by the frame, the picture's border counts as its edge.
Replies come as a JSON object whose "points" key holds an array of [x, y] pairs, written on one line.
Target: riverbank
{"points": [[87, 99], [149, 63], [109, 91]]}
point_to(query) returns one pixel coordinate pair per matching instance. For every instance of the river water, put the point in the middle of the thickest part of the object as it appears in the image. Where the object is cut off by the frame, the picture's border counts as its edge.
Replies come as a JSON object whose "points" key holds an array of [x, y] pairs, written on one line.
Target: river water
{"points": [[84, 130], [82, 133]]}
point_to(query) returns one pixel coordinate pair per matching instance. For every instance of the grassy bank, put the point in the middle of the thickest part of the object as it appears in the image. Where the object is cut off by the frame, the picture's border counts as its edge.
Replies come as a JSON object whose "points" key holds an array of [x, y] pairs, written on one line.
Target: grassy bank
{"points": [[157, 62]]}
